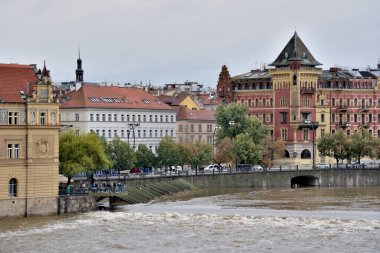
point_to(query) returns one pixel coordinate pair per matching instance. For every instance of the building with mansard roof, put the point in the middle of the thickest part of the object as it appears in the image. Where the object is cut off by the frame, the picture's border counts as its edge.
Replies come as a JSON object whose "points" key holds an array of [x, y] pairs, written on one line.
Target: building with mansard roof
{"points": [[28, 141], [133, 114], [299, 102]]}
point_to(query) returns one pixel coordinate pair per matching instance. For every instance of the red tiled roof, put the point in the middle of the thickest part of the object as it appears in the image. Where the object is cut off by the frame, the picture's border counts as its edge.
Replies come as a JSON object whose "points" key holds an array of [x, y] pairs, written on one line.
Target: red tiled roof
{"points": [[92, 96], [172, 100], [206, 100], [185, 113], [13, 78]]}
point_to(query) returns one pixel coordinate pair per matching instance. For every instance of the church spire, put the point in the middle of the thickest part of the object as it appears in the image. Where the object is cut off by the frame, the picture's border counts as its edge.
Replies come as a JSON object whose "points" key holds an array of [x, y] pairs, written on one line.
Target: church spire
{"points": [[79, 71]]}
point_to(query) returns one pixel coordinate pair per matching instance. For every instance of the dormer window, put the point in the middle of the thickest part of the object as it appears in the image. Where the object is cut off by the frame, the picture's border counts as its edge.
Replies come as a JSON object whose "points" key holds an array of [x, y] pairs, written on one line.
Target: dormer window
{"points": [[286, 55]]}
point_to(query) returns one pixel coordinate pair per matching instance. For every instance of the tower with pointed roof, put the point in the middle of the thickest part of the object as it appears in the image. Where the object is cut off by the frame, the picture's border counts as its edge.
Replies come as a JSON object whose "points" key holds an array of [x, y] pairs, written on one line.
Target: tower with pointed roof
{"points": [[224, 86], [79, 71]]}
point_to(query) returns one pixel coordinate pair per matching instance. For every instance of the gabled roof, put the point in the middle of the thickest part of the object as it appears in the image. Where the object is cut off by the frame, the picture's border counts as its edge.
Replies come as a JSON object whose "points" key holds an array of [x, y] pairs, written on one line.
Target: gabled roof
{"points": [[297, 51], [13, 79], [91, 96], [207, 99], [185, 113], [173, 100]]}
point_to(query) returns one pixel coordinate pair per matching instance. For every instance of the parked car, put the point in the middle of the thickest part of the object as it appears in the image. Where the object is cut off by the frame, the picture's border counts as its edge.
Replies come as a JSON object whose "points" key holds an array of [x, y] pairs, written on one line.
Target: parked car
{"points": [[257, 168], [135, 170], [244, 167], [323, 166], [359, 165], [213, 168]]}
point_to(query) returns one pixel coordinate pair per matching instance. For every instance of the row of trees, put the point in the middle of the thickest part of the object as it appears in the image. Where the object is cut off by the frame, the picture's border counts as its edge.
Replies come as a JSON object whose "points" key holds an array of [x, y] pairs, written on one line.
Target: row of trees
{"points": [[239, 139], [341, 147]]}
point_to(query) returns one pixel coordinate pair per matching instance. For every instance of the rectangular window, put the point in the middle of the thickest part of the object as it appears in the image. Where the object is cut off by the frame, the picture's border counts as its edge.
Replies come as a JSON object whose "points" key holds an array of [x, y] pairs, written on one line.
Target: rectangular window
{"points": [[271, 118], [322, 132], [10, 118], [172, 118], [284, 134], [150, 118], [305, 116], [283, 117], [369, 117], [264, 117], [348, 133], [144, 133], [15, 118], [138, 118], [155, 133], [150, 133], [97, 117], [17, 151], [115, 117], [191, 128], [122, 118], [161, 118], [127, 117], [115, 133], [109, 133], [200, 128], [322, 102], [348, 116], [104, 133], [322, 118], [370, 133], [171, 133], [166, 118], [42, 118], [122, 133], [133, 118], [333, 117], [76, 117], [138, 133], [161, 133], [97, 132], [305, 134], [355, 118], [155, 118], [91, 117], [10, 148], [103, 117], [144, 118], [271, 134], [166, 133], [180, 128], [110, 117]]}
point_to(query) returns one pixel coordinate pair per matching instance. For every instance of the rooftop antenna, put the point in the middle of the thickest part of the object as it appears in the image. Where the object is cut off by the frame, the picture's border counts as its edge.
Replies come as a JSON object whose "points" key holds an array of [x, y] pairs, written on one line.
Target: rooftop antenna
{"points": [[79, 52]]}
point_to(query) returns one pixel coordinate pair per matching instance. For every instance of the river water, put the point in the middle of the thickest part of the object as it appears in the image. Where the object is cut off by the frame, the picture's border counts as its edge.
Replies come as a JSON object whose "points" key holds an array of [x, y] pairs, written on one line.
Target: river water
{"points": [[233, 220]]}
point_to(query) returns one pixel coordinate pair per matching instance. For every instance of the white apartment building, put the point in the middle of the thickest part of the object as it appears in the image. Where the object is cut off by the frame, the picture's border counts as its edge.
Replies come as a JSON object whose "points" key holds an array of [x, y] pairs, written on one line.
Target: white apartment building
{"points": [[130, 113]]}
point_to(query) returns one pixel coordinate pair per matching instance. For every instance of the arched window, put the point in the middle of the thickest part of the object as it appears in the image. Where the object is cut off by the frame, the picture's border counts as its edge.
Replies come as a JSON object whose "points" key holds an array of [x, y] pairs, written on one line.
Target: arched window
{"points": [[340, 102], [356, 102], [256, 103], [249, 103], [295, 80], [363, 103], [370, 102], [305, 154], [286, 154], [271, 102], [235, 100], [348, 102], [333, 102], [12, 189], [264, 102], [52, 118]]}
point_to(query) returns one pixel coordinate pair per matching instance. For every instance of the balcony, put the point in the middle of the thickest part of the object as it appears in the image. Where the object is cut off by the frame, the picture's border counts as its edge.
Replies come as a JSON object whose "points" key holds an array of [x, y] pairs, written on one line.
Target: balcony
{"points": [[365, 124], [343, 124], [308, 124], [364, 109], [342, 108], [305, 90]]}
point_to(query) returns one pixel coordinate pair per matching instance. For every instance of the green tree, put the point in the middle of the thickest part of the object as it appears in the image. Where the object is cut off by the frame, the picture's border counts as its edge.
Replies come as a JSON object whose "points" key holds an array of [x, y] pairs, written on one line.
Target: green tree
{"points": [[247, 152], [145, 157], [121, 154], [361, 145], [199, 153], [334, 145], [231, 113], [224, 152], [80, 153], [233, 120], [168, 153]]}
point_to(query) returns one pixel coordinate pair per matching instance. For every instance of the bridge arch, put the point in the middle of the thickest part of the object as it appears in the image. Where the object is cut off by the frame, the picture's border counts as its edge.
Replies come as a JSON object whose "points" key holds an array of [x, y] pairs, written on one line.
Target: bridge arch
{"points": [[304, 181]]}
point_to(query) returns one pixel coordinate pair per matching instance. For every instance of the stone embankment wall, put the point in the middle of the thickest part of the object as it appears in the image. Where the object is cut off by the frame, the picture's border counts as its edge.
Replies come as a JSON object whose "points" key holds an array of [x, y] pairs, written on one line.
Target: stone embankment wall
{"points": [[76, 204]]}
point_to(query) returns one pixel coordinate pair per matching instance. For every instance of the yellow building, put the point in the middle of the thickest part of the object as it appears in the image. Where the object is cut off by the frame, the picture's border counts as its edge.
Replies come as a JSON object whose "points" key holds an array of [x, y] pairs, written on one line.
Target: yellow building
{"points": [[28, 141], [180, 100]]}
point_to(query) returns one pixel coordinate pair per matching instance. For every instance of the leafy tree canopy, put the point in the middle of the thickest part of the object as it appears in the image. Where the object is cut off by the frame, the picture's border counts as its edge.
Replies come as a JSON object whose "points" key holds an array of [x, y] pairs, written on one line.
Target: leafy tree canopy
{"points": [[121, 154], [145, 157], [246, 150]]}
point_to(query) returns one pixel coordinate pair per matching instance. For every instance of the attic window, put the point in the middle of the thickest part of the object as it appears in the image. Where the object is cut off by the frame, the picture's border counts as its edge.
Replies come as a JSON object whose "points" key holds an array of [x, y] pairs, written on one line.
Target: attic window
{"points": [[286, 55], [125, 100], [94, 99], [146, 101], [304, 55], [158, 101], [107, 100], [22, 94], [116, 100]]}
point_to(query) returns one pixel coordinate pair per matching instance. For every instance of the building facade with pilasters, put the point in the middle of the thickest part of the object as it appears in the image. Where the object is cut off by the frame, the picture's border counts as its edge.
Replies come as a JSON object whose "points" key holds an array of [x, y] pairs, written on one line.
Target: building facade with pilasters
{"points": [[299, 102]]}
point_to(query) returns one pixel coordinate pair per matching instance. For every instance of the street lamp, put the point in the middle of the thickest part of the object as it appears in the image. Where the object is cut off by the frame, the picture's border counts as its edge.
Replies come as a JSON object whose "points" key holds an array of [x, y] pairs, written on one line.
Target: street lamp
{"points": [[133, 126], [232, 123]]}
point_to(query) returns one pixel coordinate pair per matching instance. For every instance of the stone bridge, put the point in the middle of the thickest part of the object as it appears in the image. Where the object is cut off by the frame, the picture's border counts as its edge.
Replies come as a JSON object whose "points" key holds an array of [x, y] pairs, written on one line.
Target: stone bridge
{"points": [[323, 178]]}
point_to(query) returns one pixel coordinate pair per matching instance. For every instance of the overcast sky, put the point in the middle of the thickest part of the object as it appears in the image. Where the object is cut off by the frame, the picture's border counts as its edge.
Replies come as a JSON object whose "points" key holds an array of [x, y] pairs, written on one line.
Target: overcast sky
{"points": [[164, 41]]}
